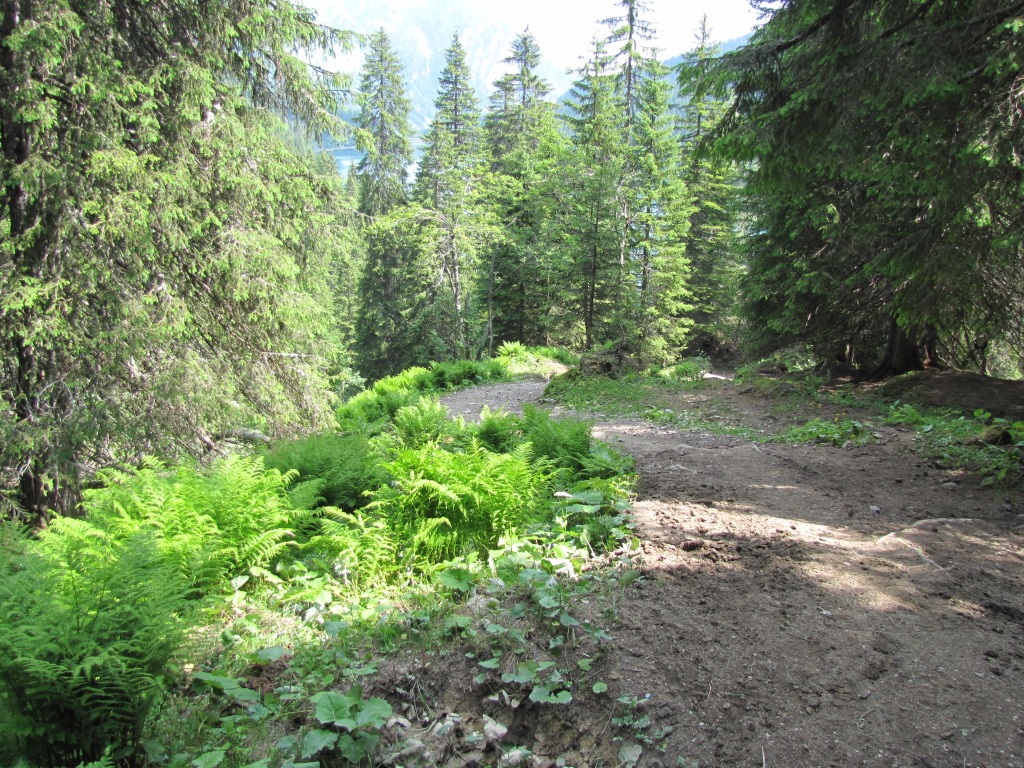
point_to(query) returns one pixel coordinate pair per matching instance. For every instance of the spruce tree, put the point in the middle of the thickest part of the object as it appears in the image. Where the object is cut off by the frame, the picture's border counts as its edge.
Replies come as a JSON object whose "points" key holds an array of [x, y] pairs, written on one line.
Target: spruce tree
{"points": [[886, 178], [449, 191], [714, 183], [522, 136], [385, 326], [630, 38], [384, 129], [662, 205], [162, 247], [592, 262]]}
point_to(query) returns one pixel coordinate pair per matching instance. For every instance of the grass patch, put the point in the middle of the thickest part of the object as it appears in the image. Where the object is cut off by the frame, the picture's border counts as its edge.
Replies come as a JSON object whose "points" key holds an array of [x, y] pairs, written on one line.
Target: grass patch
{"points": [[645, 396]]}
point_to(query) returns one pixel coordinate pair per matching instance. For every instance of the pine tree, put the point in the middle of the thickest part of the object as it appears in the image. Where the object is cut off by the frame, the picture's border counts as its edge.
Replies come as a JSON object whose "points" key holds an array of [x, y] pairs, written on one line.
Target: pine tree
{"points": [[449, 191], [592, 265], [384, 129], [663, 205], [385, 327], [522, 136], [714, 183], [154, 231]]}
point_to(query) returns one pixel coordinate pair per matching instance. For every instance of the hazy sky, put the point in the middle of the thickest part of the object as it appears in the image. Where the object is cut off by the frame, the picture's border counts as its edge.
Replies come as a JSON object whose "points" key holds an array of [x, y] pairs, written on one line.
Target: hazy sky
{"points": [[563, 28]]}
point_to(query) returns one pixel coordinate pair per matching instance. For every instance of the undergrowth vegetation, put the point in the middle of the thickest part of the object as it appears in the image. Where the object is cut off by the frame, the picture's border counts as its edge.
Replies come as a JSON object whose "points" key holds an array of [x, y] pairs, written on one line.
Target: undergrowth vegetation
{"points": [[306, 562], [643, 395], [976, 441], [991, 446]]}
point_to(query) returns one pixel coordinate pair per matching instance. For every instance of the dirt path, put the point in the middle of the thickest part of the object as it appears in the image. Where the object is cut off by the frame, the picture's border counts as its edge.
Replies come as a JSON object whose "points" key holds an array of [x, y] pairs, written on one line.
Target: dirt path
{"points": [[808, 605]]}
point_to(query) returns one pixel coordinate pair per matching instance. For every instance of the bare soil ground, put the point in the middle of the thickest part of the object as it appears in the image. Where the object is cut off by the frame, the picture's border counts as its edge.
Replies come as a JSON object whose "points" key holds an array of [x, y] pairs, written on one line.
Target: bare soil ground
{"points": [[803, 605]]}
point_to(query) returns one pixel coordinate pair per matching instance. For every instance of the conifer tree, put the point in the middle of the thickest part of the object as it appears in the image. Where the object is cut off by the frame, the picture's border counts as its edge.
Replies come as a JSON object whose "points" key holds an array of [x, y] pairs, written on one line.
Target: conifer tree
{"points": [[886, 178], [156, 276], [663, 205], [449, 191], [385, 328], [522, 136], [592, 263], [714, 183], [630, 38], [383, 129]]}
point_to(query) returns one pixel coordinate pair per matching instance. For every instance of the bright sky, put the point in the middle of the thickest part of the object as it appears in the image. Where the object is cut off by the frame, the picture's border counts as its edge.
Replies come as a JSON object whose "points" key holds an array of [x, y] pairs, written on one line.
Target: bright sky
{"points": [[563, 28]]}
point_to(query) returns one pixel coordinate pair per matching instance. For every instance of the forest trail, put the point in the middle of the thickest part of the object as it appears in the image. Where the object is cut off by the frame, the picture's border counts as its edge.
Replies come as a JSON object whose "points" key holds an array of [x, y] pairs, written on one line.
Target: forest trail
{"points": [[804, 605]]}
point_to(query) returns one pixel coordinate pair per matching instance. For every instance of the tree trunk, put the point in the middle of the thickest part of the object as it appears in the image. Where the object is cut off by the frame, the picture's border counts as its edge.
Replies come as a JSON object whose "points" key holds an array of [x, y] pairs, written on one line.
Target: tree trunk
{"points": [[902, 354]]}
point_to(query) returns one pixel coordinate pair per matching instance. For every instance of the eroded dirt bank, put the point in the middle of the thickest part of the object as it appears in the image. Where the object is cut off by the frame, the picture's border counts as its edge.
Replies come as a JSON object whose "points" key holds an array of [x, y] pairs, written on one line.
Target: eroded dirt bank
{"points": [[804, 605]]}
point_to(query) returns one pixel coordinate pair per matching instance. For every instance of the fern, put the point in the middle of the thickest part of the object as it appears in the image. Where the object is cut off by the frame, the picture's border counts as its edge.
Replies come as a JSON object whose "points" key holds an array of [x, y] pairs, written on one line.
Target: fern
{"points": [[343, 466], [499, 431], [87, 624], [357, 550], [424, 422], [211, 526], [443, 504], [566, 442]]}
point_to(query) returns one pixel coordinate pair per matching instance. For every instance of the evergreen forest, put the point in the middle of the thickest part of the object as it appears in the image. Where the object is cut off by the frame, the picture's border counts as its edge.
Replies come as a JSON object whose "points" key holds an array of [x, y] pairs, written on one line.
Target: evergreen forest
{"points": [[220, 357]]}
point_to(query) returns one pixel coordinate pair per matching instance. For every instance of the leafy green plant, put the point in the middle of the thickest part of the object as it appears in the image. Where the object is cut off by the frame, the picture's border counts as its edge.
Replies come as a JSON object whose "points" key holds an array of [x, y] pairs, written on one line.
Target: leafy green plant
{"points": [[462, 373], [836, 432], [332, 470], [514, 350], [632, 717], [994, 447], [424, 422], [349, 724], [357, 549], [88, 621], [565, 442], [499, 431]]}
